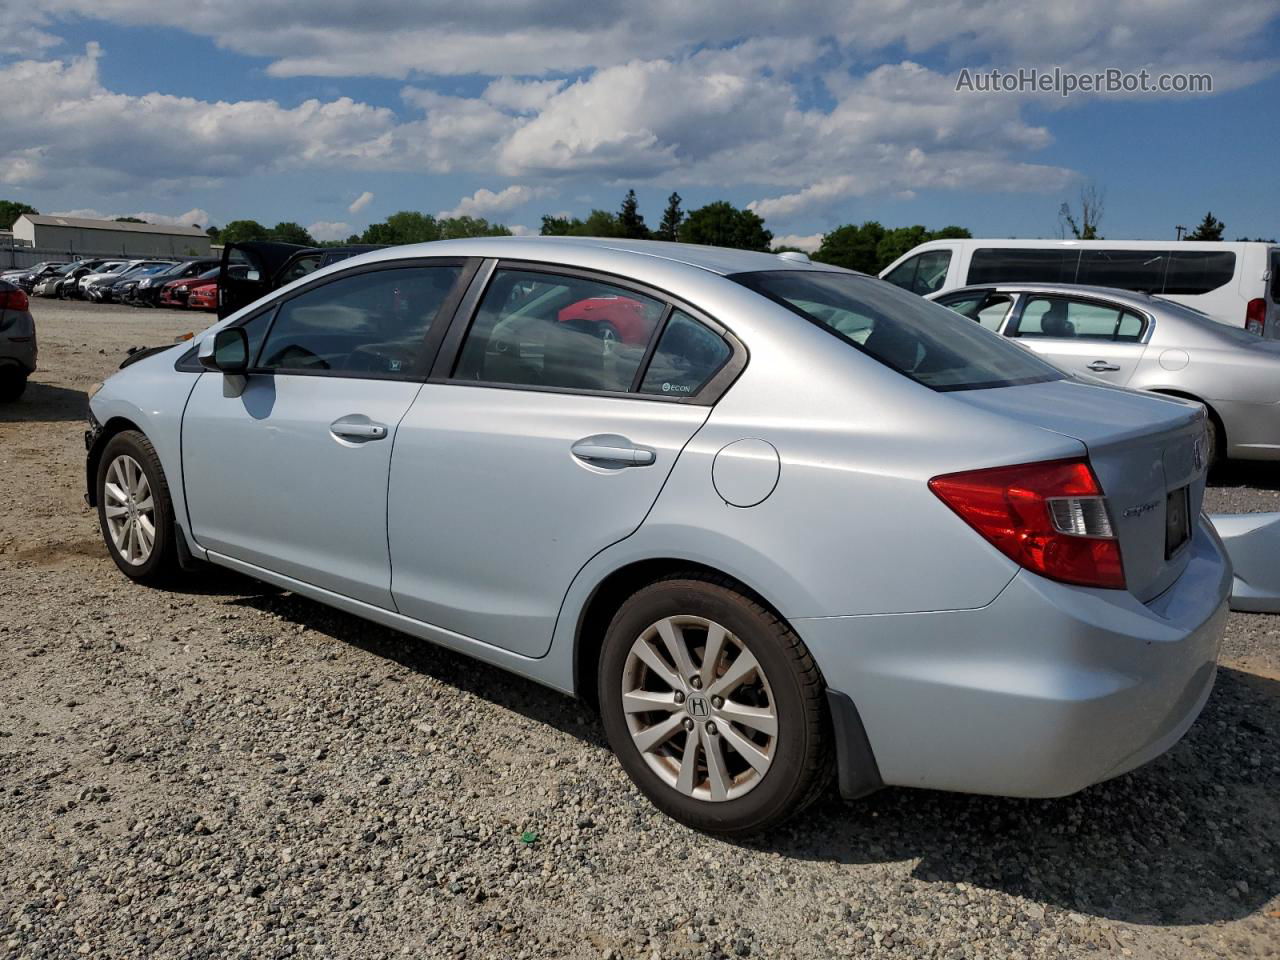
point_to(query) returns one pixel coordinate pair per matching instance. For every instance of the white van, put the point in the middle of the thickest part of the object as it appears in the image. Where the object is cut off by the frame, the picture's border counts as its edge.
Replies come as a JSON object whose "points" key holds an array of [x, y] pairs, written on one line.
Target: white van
{"points": [[1234, 283]]}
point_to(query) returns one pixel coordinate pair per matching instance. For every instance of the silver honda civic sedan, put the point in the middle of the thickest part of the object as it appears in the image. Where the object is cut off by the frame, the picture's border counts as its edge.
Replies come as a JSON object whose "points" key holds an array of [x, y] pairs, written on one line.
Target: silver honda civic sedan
{"points": [[782, 522], [1144, 343]]}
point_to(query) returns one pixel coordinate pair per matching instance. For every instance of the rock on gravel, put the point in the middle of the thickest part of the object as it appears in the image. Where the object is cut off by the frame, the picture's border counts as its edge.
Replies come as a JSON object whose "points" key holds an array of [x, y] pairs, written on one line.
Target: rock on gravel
{"points": [[226, 770]]}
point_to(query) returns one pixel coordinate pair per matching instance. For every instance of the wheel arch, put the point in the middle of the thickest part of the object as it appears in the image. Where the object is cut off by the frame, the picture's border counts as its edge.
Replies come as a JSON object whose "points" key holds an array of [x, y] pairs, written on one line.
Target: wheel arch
{"points": [[612, 591], [113, 426], [1219, 426]]}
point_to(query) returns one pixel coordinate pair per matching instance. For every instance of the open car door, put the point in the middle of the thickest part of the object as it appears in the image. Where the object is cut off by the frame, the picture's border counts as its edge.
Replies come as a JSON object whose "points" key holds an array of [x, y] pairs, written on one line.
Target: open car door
{"points": [[266, 261]]}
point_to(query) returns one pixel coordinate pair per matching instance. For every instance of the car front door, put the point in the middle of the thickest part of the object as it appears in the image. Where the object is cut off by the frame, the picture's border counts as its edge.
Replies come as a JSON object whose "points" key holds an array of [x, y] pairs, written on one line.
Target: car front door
{"points": [[286, 468], [1083, 336], [546, 441]]}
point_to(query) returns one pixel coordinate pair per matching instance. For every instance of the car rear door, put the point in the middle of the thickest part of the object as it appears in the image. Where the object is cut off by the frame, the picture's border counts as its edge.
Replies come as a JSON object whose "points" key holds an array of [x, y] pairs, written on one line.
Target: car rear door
{"points": [[1084, 336], [286, 468], [540, 440]]}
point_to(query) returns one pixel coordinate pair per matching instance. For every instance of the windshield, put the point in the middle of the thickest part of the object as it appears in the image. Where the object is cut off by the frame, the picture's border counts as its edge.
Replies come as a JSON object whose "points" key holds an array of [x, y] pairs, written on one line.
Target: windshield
{"points": [[930, 344]]}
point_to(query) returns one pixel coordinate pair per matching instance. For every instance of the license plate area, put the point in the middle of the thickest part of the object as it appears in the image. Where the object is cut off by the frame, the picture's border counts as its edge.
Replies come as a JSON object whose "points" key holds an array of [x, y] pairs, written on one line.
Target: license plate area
{"points": [[1177, 520]]}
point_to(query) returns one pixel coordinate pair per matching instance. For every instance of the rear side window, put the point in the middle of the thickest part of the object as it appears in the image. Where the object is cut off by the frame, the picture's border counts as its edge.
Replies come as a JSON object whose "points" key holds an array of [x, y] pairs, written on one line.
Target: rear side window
{"points": [[1062, 319], [1275, 276], [1192, 272], [1141, 270], [687, 356], [923, 274], [366, 324], [921, 340], [1017, 265], [546, 330]]}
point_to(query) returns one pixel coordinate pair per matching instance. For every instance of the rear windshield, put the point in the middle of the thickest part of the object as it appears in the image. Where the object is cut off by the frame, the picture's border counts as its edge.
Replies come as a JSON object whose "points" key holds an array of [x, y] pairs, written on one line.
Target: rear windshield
{"points": [[930, 344]]}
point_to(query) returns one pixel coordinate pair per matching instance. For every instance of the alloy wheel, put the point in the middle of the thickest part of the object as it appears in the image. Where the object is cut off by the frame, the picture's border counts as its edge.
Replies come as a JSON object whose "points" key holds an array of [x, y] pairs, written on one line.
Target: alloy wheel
{"points": [[130, 510], [699, 708]]}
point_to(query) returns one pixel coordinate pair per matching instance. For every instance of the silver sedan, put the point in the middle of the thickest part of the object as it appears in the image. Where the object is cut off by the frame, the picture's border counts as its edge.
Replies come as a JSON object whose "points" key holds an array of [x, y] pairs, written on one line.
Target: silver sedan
{"points": [[780, 521], [1144, 343]]}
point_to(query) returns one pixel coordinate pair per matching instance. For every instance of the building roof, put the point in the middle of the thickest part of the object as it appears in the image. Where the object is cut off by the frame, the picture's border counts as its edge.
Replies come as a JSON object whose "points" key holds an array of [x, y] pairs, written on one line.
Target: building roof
{"points": [[43, 220]]}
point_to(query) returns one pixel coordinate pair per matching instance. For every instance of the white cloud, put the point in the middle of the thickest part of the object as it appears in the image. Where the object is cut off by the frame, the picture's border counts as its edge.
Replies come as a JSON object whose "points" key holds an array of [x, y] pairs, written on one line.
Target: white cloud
{"points": [[360, 202], [192, 218], [329, 230], [519, 230], [522, 96], [808, 242], [501, 38], [484, 202]]}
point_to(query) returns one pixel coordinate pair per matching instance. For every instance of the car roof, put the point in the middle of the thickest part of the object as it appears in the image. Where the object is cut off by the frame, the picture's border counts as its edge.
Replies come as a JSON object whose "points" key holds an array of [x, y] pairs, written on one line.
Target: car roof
{"points": [[1129, 297], [580, 250]]}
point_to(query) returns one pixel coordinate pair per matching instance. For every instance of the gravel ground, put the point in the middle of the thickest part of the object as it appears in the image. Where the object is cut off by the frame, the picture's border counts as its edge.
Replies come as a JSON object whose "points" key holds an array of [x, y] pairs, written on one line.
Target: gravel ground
{"points": [[228, 770]]}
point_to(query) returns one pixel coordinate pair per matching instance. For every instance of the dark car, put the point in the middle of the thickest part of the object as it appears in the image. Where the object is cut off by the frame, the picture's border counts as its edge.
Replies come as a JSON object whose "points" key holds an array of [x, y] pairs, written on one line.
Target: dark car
{"points": [[28, 278], [107, 289], [148, 289], [271, 265], [17, 341]]}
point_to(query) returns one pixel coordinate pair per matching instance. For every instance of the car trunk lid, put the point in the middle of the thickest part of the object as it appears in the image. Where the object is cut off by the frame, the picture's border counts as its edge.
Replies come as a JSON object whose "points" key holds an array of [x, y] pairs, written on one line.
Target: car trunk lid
{"points": [[1147, 452]]}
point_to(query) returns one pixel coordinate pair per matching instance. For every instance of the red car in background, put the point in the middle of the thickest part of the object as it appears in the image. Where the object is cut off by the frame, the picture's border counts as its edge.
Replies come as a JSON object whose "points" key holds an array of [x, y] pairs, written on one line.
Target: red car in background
{"points": [[203, 295], [176, 293], [612, 319]]}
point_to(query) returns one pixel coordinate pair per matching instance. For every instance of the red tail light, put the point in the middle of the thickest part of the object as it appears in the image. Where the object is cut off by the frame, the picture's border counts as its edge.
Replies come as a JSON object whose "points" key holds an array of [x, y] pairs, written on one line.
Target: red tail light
{"points": [[14, 300], [1255, 316], [1049, 517]]}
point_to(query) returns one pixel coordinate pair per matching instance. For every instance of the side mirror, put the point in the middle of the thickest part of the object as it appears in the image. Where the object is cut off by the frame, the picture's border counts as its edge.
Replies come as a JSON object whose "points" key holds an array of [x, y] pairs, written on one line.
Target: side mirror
{"points": [[227, 352]]}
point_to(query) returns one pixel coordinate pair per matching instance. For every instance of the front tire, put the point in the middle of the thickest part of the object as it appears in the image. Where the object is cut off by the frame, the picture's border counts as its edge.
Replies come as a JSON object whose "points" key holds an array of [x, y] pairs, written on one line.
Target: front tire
{"points": [[135, 511], [714, 706]]}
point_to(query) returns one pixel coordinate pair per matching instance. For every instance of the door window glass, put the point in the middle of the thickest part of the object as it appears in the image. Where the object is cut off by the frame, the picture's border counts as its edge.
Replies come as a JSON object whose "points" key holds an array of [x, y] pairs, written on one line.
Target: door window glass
{"points": [[368, 323], [1194, 272], [297, 269], [1021, 265], [1063, 319], [923, 274], [904, 274], [988, 309], [1141, 270], [687, 356], [543, 330]]}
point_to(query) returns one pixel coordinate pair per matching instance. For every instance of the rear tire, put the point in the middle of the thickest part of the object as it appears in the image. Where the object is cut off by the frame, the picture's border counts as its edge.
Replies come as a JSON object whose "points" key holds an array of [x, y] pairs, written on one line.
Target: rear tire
{"points": [[12, 386], [740, 744], [135, 511]]}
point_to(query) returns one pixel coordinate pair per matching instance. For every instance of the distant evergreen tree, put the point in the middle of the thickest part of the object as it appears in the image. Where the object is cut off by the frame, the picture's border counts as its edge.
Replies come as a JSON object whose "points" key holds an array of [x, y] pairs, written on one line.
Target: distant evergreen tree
{"points": [[672, 217], [1210, 228], [630, 222]]}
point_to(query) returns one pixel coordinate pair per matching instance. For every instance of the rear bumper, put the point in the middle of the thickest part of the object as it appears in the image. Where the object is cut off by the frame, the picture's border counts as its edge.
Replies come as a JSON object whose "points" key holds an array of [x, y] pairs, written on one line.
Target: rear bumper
{"points": [[1044, 691]]}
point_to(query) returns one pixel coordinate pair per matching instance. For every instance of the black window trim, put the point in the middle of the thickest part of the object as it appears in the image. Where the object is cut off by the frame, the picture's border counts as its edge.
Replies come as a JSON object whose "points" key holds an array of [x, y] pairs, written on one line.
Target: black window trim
{"points": [[432, 339], [1014, 320], [709, 393]]}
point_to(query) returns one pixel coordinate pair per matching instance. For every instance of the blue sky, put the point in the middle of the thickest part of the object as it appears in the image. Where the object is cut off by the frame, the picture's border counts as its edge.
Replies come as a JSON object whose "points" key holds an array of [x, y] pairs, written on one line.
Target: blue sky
{"points": [[816, 116]]}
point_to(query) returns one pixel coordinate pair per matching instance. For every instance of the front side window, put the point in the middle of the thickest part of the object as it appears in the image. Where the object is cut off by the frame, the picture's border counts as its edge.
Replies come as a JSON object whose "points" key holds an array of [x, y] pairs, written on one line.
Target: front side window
{"points": [[921, 340], [1063, 319], [923, 274], [986, 308], [363, 324], [299, 268], [545, 330]]}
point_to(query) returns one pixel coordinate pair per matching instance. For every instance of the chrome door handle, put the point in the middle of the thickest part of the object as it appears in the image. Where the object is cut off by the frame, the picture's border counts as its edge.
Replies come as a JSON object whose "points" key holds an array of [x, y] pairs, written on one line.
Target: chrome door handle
{"points": [[1099, 366], [357, 429], [596, 452]]}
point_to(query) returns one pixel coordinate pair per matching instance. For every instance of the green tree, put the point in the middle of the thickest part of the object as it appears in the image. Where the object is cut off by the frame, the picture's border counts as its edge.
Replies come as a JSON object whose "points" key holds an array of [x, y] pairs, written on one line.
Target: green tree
{"points": [[672, 217], [870, 247], [721, 224], [1210, 228], [128, 220], [559, 226], [1091, 208], [406, 226], [286, 231], [600, 223], [630, 221], [11, 210], [453, 227], [241, 231], [852, 246], [214, 234]]}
